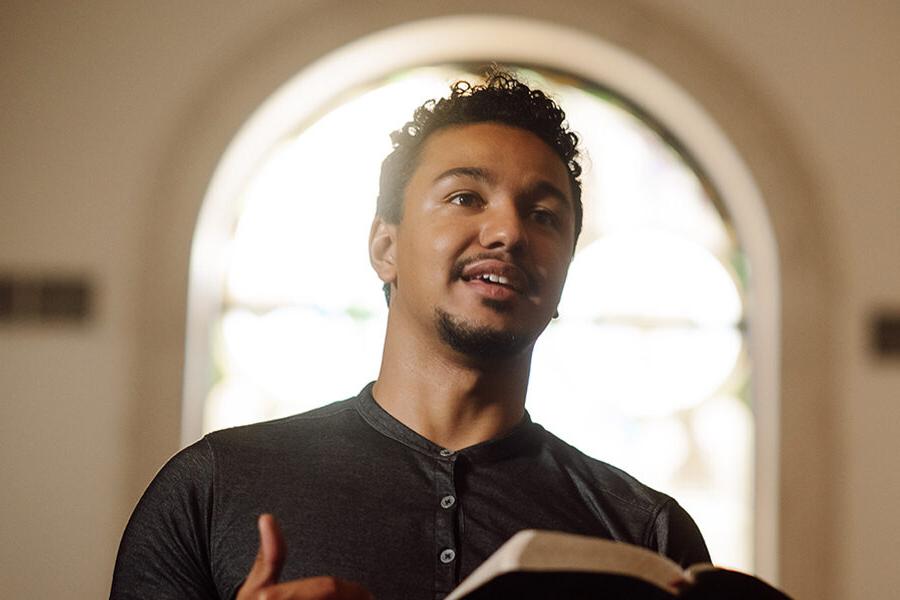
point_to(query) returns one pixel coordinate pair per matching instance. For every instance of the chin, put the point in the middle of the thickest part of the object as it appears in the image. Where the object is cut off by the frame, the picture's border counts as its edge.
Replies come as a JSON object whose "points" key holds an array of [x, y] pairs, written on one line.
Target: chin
{"points": [[480, 340], [497, 306]]}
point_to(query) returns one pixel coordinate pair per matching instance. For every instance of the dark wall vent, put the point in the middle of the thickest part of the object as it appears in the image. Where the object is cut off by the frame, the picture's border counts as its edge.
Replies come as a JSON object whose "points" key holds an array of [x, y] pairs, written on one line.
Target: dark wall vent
{"points": [[44, 298], [886, 334]]}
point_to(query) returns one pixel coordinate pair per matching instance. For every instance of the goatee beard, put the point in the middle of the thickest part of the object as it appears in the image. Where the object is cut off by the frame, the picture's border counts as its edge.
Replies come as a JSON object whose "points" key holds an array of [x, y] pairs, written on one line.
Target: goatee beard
{"points": [[478, 341]]}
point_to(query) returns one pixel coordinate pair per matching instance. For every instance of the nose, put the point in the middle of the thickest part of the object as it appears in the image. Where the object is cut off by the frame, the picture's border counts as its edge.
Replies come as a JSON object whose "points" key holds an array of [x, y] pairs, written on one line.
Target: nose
{"points": [[503, 228]]}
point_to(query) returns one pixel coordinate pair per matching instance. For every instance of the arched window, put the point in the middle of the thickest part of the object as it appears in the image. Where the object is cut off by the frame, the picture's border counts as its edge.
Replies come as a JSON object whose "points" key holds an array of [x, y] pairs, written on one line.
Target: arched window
{"points": [[649, 366]]}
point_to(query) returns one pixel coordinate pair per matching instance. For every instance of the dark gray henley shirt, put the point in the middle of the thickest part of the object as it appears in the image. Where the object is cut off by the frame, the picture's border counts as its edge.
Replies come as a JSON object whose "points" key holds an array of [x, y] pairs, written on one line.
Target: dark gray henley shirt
{"points": [[361, 496]]}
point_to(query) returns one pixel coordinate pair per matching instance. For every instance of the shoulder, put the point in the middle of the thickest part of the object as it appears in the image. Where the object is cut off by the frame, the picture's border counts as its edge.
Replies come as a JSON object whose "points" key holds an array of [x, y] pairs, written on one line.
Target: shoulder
{"points": [[307, 426], [192, 475], [185, 478], [300, 448], [603, 478], [636, 512]]}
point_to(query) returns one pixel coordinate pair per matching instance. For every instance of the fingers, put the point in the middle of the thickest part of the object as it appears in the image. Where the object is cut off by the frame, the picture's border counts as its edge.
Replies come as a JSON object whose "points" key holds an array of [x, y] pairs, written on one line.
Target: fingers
{"points": [[262, 582], [269, 558], [271, 543]]}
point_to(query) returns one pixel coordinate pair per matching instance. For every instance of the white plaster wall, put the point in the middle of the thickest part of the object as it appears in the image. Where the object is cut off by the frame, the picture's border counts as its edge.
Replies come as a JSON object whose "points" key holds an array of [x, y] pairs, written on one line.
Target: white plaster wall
{"points": [[99, 99]]}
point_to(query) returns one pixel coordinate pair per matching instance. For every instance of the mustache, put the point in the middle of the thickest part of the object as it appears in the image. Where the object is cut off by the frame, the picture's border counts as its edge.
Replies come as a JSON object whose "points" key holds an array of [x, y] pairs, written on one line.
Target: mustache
{"points": [[505, 257]]}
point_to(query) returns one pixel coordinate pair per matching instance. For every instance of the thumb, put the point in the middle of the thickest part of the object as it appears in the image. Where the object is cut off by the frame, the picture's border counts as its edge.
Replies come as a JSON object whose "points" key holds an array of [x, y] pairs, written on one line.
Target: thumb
{"points": [[270, 557]]}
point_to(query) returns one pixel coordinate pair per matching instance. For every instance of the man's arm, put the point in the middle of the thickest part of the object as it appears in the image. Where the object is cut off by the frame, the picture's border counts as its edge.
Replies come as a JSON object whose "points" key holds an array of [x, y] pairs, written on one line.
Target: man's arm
{"points": [[674, 534], [164, 551]]}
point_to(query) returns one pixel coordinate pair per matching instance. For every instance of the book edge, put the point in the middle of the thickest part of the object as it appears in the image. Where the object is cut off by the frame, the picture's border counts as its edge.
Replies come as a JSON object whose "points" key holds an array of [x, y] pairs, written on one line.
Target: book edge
{"points": [[504, 560], [527, 551]]}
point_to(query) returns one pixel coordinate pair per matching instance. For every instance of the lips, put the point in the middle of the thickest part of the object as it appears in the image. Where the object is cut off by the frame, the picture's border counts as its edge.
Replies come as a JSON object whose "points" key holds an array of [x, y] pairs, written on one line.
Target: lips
{"points": [[496, 272]]}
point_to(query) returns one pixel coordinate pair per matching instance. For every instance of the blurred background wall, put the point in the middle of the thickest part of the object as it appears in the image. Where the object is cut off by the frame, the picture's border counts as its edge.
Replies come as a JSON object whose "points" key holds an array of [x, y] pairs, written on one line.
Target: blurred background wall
{"points": [[113, 116]]}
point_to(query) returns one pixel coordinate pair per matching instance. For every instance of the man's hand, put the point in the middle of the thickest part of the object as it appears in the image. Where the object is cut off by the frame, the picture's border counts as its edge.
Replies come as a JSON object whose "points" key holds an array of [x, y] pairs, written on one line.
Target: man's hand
{"points": [[262, 582]]}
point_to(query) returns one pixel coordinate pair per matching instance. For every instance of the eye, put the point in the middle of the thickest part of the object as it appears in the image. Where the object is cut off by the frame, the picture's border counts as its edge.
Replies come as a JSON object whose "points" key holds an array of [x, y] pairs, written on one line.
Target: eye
{"points": [[466, 199], [544, 216]]}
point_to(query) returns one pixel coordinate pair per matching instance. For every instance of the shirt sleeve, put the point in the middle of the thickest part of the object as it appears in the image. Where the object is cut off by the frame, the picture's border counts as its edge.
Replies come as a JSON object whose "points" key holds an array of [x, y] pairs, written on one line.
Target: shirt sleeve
{"points": [[164, 552], [674, 534]]}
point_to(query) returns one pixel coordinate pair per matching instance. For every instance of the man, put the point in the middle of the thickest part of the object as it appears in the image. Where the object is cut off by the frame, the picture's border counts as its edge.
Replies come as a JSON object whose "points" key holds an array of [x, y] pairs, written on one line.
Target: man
{"points": [[409, 486]]}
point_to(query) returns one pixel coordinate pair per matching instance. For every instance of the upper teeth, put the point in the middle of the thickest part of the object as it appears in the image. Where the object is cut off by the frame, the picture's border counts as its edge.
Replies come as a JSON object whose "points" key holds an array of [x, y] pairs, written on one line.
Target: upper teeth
{"points": [[495, 278]]}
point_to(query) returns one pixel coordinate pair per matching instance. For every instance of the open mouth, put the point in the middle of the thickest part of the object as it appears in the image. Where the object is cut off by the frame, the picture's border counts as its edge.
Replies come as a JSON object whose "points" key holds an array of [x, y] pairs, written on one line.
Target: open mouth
{"points": [[496, 274], [489, 278]]}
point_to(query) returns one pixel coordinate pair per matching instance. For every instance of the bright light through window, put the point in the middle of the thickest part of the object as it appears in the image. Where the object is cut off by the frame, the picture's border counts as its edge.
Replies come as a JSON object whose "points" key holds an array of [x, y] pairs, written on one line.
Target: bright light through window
{"points": [[646, 368]]}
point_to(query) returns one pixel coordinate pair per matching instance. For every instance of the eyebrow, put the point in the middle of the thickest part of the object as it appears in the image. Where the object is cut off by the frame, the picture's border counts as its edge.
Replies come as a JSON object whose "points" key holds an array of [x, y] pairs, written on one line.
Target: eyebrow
{"points": [[541, 188], [477, 173], [545, 188]]}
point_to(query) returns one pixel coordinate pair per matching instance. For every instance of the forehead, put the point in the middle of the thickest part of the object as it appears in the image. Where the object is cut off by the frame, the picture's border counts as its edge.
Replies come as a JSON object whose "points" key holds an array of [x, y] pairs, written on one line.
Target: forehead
{"points": [[511, 153]]}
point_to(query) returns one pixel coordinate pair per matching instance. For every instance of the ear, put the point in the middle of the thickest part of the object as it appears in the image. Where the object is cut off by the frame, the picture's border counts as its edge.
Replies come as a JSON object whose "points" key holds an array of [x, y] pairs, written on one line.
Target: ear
{"points": [[382, 250]]}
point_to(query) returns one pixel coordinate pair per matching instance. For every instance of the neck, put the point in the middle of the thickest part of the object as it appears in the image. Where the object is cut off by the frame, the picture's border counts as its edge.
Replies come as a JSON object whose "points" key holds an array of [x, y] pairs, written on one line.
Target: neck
{"points": [[453, 400]]}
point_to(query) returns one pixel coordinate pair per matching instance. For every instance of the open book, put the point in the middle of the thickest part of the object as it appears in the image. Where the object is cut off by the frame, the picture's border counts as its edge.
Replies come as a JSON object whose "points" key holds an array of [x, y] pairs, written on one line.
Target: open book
{"points": [[536, 565]]}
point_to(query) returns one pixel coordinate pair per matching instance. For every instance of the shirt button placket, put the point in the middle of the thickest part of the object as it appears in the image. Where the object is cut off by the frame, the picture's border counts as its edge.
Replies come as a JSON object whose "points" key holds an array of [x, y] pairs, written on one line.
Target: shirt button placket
{"points": [[445, 538]]}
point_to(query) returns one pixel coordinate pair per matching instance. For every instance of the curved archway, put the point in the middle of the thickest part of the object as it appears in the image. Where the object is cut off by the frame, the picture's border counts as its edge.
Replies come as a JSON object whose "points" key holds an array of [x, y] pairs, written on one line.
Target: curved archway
{"points": [[238, 81], [553, 46]]}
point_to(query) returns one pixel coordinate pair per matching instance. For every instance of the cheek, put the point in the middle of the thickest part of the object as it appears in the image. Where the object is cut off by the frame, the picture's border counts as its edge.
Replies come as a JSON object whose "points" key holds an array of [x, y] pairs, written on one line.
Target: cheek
{"points": [[428, 256], [556, 271], [553, 254], [442, 245], [445, 241]]}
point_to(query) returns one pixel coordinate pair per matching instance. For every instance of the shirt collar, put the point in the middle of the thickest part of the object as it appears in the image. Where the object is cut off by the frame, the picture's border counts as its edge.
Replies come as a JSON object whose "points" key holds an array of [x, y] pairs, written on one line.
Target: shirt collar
{"points": [[516, 442]]}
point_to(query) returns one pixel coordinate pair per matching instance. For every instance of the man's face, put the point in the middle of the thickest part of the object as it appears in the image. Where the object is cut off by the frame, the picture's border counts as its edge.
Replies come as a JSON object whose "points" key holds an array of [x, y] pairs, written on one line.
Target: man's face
{"points": [[486, 238]]}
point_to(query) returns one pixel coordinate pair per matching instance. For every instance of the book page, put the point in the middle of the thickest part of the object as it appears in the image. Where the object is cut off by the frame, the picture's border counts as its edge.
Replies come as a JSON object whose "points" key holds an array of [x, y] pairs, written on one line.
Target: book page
{"points": [[533, 550]]}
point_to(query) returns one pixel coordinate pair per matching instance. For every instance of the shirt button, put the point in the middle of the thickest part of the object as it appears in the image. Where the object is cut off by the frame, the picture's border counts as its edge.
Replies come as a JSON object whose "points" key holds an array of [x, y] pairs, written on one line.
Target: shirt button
{"points": [[447, 556], [447, 501], [445, 452]]}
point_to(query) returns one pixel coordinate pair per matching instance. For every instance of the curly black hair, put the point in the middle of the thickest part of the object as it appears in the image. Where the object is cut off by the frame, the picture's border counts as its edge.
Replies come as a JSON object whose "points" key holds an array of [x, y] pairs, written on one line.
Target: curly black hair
{"points": [[502, 99]]}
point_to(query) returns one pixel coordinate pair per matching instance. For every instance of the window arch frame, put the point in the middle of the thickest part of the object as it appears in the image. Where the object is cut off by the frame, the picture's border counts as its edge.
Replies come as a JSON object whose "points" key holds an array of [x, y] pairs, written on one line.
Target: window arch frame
{"points": [[520, 41]]}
